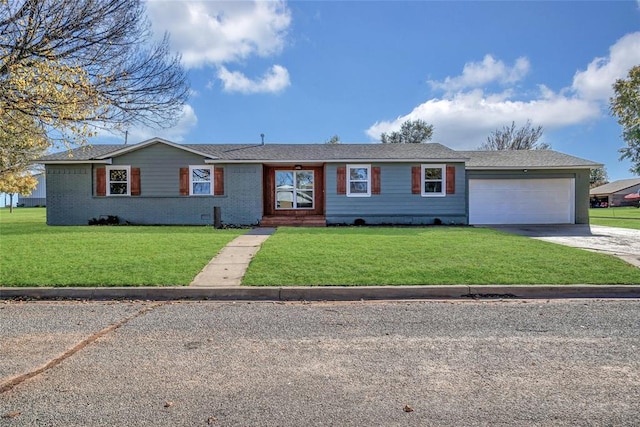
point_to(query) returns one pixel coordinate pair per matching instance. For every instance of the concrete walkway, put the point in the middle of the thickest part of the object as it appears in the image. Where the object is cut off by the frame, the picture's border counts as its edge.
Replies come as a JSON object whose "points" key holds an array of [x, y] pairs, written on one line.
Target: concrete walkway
{"points": [[229, 266], [623, 243]]}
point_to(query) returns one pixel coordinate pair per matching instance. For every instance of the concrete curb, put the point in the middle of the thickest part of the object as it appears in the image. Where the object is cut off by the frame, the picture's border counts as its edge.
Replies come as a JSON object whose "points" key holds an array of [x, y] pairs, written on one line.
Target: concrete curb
{"points": [[325, 293]]}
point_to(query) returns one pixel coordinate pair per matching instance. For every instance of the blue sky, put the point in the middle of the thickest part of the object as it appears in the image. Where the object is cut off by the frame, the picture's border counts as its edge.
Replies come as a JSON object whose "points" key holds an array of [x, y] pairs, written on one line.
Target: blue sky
{"points": [[303, 71]]}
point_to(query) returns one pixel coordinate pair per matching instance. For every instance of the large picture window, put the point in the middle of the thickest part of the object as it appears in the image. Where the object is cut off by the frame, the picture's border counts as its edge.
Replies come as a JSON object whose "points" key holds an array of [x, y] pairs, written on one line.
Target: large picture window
{"points": [[433, 180], [359, 180], [294, 189], [200, 180], [118, 180]]}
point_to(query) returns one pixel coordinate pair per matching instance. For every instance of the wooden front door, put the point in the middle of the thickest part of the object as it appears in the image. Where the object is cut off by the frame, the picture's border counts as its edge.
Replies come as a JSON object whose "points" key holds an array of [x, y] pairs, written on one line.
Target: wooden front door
{"points": [[293, 191]]}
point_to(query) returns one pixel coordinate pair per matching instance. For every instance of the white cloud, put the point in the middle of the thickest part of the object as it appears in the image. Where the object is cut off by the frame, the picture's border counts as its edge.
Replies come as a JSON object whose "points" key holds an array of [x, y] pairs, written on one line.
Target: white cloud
{"points": [[596, 81], [468, 111], [218, 33], [274, 80], [214, 32], [461, 122], [479, 74]]}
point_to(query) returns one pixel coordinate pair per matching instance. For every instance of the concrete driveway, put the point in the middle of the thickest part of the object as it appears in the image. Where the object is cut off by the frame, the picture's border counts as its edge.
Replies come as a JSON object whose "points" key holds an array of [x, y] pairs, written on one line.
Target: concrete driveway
{"points": [[621, 242]]}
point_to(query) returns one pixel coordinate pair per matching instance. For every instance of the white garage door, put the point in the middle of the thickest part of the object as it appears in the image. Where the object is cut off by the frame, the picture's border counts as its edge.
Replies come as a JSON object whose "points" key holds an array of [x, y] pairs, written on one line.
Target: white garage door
{"points": [[522, 201]]}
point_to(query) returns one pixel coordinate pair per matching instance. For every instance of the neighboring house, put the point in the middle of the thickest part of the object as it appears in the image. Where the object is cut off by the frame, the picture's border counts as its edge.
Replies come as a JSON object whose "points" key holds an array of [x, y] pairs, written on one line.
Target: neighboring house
{"points": [[612, 194], [7, 200], [38, 196], [161, 182]]}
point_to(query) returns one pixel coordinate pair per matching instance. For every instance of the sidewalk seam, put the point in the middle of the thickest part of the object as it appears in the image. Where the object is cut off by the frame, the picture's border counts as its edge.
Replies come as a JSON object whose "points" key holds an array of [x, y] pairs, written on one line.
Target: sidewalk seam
{"points": [[10, 383]]}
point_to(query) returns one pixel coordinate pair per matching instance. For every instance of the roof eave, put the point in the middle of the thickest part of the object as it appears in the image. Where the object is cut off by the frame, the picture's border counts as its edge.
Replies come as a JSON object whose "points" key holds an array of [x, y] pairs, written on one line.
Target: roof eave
{"points": [[74, 162], [345, 160], [533, 167]]}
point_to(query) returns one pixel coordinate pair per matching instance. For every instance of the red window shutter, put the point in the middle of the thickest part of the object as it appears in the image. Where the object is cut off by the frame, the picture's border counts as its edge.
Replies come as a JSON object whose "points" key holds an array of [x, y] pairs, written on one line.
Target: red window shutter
{"points": [[341, 179], [375, 180], [451, 179], [101, 182], [135, 181], [416, 177], [184, 181], [218, 181]]}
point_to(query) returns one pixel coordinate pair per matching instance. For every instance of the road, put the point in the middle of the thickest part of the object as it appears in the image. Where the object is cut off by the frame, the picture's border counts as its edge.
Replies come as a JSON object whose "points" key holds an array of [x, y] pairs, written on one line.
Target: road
{"points": [[418, 363]]}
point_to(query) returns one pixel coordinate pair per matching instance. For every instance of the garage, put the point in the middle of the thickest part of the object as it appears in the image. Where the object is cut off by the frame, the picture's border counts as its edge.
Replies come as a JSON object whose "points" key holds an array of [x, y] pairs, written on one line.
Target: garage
{"points": [[522, 201]]}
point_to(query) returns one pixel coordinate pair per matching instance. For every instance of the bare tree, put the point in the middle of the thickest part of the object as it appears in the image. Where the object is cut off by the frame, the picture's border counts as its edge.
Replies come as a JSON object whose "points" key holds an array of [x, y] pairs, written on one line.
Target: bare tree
{"points": [[72, 65], [411, 132], [510, 138]]}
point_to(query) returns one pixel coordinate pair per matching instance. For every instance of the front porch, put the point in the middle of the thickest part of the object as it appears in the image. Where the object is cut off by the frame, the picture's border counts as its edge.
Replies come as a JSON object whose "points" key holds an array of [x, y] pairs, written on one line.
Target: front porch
{"points": [[293, 196], [293, 221]]}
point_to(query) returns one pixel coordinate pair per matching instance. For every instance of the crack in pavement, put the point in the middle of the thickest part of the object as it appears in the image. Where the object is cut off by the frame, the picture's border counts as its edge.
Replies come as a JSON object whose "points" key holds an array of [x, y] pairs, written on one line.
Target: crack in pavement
{"points": [[12, 382]]}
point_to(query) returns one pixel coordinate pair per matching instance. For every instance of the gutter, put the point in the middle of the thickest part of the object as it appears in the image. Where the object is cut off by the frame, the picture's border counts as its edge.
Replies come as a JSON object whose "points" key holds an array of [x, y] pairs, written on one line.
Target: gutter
{"points": [[346, 160], [74, 162]]}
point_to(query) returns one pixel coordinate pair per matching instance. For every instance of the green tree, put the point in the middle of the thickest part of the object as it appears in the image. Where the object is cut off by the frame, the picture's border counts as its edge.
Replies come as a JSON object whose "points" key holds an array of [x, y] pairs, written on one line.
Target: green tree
{"points": [[69, 66], [512, 138], [625, 105], [411, 132], [21, 141], [22, 183], [335, 139], [598, 177]]}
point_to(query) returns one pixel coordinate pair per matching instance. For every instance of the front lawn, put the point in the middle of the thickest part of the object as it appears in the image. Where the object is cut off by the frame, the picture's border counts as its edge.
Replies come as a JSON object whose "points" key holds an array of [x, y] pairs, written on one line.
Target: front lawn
{"points": [[624, 217], [34, 254], [425, 256]]}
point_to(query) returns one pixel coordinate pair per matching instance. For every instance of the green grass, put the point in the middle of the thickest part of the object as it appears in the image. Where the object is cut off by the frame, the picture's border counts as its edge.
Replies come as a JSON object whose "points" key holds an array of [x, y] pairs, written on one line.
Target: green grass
{"points": [[426, 256], [624, 217], [34, 254]]}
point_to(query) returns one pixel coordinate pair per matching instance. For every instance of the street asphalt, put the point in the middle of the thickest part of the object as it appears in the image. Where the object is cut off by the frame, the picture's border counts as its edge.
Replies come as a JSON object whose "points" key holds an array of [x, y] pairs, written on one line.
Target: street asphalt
{"points": [[411, 363]]}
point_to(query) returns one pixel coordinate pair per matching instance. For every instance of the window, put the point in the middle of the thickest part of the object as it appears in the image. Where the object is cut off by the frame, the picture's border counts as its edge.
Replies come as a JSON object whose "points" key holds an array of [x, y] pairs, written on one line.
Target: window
{"points": [[294, 189], [433, 180], [118, 179], [200, 180], [358, 180]]}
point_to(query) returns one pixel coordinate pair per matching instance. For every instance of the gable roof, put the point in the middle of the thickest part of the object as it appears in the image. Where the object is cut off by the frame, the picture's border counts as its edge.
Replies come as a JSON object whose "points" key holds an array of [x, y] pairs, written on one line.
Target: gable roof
{"points": [[615, 186], [129, 148], [102, 153], [525, 159]]}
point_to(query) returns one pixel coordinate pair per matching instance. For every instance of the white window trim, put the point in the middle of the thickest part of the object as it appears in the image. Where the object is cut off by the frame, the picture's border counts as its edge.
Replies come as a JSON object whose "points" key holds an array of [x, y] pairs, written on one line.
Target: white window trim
{"points": [[191, 168], [108, 170], [443, 192], [358, 166]]}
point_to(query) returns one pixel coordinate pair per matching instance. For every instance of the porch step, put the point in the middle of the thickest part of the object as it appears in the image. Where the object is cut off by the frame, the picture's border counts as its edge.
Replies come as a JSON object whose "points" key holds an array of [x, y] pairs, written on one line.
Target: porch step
{"points": [[293, 221]]}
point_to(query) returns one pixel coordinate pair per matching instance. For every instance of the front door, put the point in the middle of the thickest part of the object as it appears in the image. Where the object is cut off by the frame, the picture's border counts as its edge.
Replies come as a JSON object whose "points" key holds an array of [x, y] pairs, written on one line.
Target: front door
{"points": [[293, 190]]}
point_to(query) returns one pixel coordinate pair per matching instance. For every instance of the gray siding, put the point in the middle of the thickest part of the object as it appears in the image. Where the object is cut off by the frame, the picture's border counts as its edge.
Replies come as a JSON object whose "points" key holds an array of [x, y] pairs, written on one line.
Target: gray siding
{"points": [[72, 201], [395, 204], [69, 194], [581, 184]]}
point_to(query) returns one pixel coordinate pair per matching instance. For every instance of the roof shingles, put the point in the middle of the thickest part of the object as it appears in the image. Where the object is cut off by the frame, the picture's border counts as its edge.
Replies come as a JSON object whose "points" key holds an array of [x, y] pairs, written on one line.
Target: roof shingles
{"points": [[616, 186], [344, 152], [530, 159]]}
